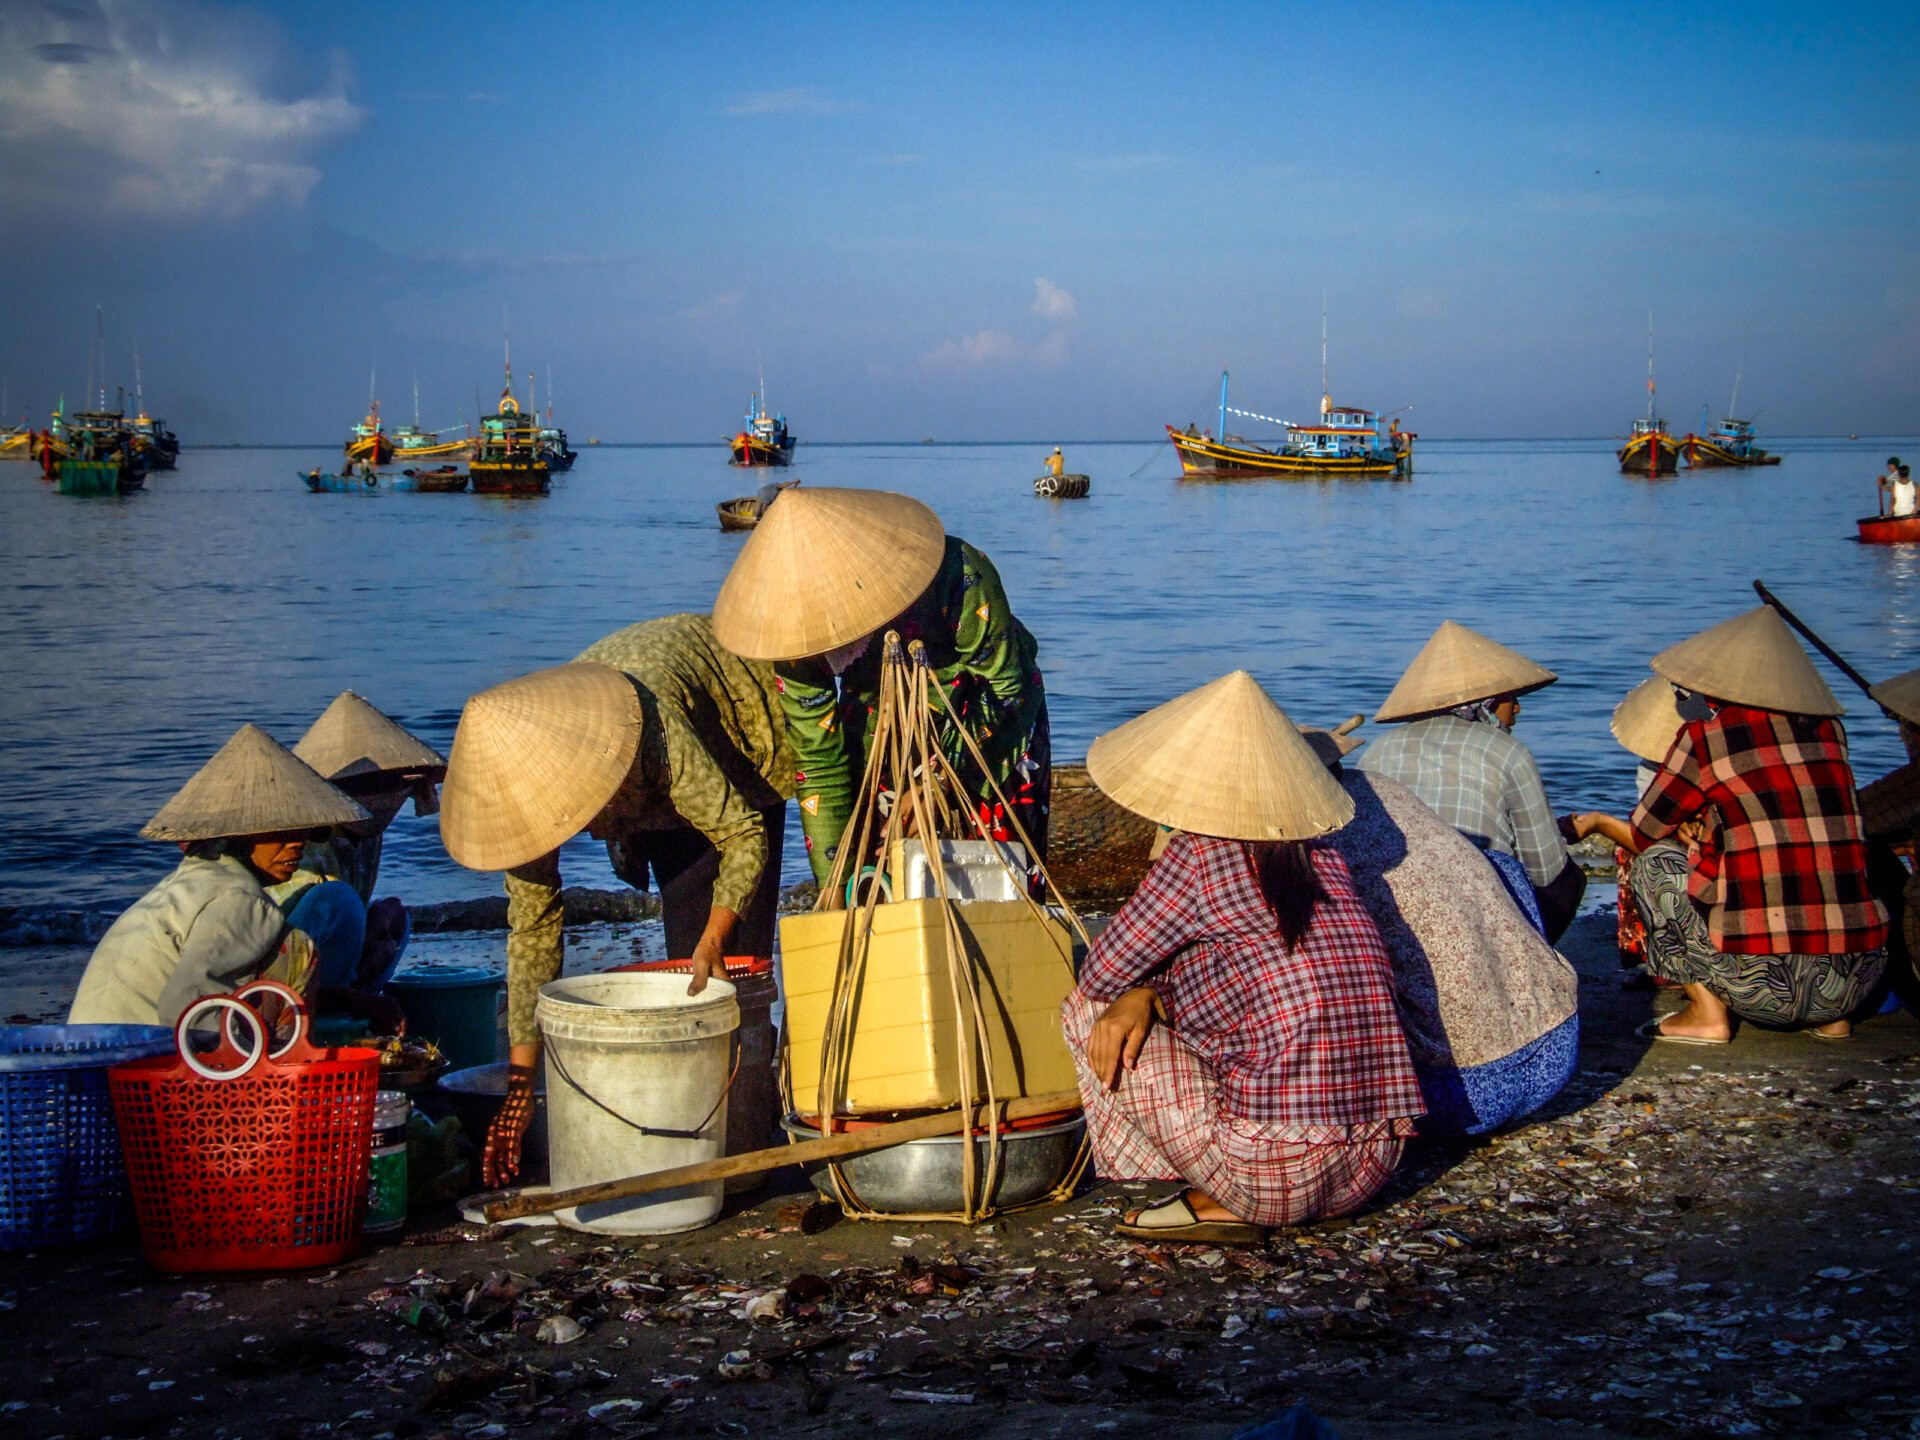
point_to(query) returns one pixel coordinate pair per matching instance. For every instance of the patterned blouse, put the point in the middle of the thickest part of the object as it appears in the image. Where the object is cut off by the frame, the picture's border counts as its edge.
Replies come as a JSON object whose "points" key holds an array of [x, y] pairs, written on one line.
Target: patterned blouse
{"points": [[1306, 1037], [979, 651], [713, 755], [1783, 869]]}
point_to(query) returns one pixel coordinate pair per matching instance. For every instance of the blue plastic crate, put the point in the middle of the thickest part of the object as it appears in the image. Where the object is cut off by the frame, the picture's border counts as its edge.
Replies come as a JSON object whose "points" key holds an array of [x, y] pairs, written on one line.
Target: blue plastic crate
{"points": [[61, 1177]]}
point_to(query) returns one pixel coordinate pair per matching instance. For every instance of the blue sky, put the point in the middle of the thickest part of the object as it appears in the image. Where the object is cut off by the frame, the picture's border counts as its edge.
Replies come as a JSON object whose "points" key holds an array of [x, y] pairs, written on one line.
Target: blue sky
{"points": [[991, 221]]}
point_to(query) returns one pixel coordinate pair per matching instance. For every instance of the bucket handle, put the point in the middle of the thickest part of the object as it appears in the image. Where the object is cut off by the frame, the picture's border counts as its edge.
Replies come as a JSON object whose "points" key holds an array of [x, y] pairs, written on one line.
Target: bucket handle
{"points": [[656, 1131]]}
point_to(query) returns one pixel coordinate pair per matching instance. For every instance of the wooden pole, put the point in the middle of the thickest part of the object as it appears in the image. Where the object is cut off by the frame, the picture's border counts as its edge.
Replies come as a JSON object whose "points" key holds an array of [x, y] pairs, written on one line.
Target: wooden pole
{"points": [[1825, 649], [516, 1204]]}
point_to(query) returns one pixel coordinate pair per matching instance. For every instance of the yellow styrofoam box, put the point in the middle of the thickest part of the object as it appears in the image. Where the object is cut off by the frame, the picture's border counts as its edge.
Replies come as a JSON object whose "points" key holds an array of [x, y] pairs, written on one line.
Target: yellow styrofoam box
{"points": [[904, 1050]]}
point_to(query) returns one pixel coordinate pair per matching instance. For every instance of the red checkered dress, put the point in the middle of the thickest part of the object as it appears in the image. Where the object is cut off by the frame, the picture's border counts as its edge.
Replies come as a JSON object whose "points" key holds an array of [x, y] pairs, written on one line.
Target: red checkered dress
{"points": [[1784, 871], [1282, 1086]]}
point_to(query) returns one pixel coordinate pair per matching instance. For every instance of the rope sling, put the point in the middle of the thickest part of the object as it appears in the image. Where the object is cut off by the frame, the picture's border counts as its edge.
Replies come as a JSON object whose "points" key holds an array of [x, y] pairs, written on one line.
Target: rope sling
{"points": [[905, 755]]}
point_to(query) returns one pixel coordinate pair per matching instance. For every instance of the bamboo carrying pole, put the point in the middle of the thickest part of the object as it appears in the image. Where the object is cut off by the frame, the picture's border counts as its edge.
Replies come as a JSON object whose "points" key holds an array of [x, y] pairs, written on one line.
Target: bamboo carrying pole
{"points": [[517, 1204], [1825, 649]]}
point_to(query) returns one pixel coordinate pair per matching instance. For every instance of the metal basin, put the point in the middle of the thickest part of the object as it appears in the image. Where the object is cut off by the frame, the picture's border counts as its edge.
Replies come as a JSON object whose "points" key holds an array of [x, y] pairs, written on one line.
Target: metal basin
{"points": [[924, 1176], [474, 1095]]}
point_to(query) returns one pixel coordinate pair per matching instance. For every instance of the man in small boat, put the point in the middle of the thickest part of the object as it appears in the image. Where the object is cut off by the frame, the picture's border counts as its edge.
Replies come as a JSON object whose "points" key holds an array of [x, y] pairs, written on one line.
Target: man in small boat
{"points": [[1897, 490], [814, 590], [1056, 463], [371, 758], [1456, 706], [763, 499], [1770, 916], [210, 926], [664, 745]]}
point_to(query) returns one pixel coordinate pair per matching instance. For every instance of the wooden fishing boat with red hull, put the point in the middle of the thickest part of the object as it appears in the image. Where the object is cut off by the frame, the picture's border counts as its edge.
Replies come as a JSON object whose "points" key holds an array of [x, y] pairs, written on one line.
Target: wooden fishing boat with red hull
{"points": [[1729, 445], [1889, 529], [1650, 450], [765, 440]]}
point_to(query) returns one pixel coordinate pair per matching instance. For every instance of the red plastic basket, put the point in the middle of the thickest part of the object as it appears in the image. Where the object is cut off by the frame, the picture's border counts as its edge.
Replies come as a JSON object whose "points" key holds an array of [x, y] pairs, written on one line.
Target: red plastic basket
{"points": [[247, 1157]]}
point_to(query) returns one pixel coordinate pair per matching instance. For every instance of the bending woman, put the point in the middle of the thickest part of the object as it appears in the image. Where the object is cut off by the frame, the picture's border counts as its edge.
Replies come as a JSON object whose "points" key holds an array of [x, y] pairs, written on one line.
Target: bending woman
{"points": [[1234, 1027], [821, 578]]}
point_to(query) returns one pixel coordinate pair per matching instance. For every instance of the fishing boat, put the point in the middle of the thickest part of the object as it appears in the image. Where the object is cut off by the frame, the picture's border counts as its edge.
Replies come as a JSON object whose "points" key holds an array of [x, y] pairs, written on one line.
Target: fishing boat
{"points": [[150, 437], [16, 442], [369, 441], [509, 459], [328, 482], [1347, 441], [1649, 450], [1730, 444], [95, 455], [1889, 529], [744, 513], [765, 440], [553, 444], [411, 443]]}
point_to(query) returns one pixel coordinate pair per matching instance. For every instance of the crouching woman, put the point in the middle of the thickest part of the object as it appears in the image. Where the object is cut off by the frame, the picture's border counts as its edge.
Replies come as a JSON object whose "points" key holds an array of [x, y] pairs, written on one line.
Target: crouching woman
{"points": [[210, 926], [1234, 1027]]}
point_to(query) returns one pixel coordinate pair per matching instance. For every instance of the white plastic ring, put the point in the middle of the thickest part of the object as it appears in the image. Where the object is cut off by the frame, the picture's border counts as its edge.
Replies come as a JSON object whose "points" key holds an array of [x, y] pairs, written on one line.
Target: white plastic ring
{"points": [[255, 1054], [296, 1007]]}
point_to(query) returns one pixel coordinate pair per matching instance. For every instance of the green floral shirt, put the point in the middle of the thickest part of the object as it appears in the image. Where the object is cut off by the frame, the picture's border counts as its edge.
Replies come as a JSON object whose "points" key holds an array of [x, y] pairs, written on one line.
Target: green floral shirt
{"points": [[979, 651], [713, 755]]}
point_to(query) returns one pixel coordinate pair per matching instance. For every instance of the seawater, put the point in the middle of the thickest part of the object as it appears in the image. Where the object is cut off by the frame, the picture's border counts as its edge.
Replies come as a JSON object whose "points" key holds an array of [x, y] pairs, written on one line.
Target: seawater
{"points": [[140, 632]]}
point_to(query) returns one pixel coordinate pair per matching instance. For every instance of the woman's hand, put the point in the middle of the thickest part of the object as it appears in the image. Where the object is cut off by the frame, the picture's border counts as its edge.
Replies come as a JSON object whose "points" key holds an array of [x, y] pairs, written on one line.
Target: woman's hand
{"points": [[1119, 1034], [501, 1160]]}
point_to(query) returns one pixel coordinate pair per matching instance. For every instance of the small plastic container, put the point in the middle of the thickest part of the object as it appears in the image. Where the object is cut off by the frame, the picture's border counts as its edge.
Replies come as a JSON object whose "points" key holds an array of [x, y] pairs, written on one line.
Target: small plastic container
{"points": [[62, 1179], [387, 1164], [456, 1007]]}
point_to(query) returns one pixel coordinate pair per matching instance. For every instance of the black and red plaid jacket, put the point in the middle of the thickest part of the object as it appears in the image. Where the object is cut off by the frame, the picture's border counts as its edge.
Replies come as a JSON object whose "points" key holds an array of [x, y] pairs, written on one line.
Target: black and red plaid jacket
{"points": [[1783, 869], [1307, 1037]]}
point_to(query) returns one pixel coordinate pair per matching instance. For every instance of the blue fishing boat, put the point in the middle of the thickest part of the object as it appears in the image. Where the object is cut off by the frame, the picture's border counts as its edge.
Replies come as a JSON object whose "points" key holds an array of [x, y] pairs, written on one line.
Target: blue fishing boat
{"points": [[1347, 441], [765, 440], [327, 482], [1730, 444]]}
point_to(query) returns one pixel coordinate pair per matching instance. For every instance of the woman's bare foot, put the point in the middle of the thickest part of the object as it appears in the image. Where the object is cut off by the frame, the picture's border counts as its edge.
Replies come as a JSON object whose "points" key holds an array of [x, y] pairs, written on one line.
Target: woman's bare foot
{"points": [[1205, 1209], [1689, 1020]]}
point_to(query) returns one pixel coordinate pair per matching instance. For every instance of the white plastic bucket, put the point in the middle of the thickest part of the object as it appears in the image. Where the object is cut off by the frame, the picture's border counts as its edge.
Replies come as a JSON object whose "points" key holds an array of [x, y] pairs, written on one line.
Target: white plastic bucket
{"points": [[629, 1056]]}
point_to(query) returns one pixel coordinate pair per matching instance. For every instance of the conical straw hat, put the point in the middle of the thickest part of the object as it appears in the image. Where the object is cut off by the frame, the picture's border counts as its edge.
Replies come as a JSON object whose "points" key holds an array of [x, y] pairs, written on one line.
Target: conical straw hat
{"points": [[1222, 760], [824, 568], [253, 786], [352, 738], [534, 760], [1458, 665], [1648, 719], [1901, 695], [1751, 659]]}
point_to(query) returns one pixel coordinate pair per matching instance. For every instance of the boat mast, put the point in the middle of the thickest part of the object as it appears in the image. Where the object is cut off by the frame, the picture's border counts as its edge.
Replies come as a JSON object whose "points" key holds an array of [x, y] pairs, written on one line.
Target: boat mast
{"points": [[1223, 405], [416, 401], [1649, 369], [1733, 405], [1326, 392], [139, 389], [100, 321]]}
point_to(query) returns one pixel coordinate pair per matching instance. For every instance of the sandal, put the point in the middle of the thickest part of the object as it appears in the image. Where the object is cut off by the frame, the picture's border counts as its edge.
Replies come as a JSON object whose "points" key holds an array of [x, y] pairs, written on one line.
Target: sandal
{"points": [[1652, 1031], [1172, 1219]]}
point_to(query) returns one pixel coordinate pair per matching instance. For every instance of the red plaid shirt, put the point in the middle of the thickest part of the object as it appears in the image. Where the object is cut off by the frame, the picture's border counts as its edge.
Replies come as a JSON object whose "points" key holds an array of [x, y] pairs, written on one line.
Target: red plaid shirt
{"points": [[1783, 869], [1303, 1037]]}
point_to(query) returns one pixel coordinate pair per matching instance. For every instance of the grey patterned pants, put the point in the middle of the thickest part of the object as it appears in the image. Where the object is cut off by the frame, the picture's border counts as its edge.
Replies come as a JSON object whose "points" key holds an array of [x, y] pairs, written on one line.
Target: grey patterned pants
{"points": [[1789, 991]]}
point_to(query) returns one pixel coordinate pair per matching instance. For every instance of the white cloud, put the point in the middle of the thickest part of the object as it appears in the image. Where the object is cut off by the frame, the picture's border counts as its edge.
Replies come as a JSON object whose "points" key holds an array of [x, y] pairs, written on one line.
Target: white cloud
{"points": [[1050, 302], [1136, 160], [972, 352], [795, 101], [160, 109], [714, 306]]}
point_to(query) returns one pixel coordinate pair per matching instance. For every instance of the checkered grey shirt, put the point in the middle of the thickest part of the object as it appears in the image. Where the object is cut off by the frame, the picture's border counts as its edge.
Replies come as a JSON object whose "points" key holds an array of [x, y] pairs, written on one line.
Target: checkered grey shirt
{"points": [[1481, 780]]}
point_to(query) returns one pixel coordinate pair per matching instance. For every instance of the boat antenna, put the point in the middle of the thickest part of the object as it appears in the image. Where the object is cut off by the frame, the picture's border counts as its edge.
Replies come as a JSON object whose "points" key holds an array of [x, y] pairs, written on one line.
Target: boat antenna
{"points": [[1222, 432], [1733, 405], [139, 390], [416, 400], [1649, 367], [1326, 392]]}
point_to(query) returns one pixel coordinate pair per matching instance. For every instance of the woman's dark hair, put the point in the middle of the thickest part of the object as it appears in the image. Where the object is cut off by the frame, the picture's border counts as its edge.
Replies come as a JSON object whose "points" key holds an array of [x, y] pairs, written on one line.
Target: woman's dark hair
{"points": [[1283, 869]]}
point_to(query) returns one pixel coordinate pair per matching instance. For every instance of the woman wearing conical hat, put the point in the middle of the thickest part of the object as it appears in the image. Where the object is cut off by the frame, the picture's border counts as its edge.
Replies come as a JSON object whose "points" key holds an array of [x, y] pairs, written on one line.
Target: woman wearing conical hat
{"points": [[1489, 1008], [1890, 811], [1234, 1027], [817, 584], [1454, 748], [669, 748], [210, 926], [1773, 920], [372, 758]]}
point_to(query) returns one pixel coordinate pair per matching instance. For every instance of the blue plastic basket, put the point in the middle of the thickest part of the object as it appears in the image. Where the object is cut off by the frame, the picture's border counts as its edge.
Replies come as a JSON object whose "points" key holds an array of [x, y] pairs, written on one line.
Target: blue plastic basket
{"points": [[61, 1177]]}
